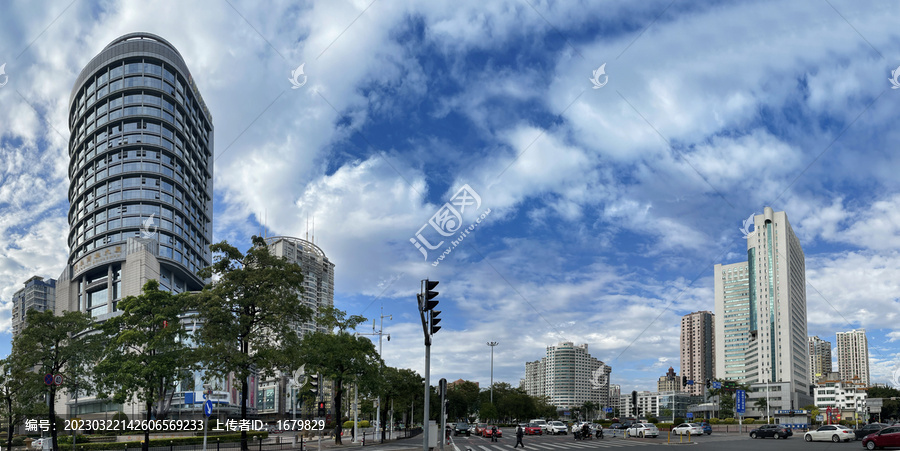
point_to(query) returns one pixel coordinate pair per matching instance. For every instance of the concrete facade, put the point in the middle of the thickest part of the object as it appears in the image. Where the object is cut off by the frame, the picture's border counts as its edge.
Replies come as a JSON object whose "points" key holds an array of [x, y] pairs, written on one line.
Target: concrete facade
{"points": [[274, 394], [819, 358], [569, 377], [698, 350], [38, 294], [853, 355]]}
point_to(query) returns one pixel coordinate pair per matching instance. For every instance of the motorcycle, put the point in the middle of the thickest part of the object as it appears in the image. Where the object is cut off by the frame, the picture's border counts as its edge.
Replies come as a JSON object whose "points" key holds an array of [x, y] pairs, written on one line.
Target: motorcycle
{"points": [[599, 433]]}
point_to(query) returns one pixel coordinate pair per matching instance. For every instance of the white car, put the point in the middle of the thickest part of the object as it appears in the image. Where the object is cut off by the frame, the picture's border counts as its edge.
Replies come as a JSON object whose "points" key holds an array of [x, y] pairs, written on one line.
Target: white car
{"points": [[688, 428], [38, 443], [557, 427], [642, 430], [831, 432]]}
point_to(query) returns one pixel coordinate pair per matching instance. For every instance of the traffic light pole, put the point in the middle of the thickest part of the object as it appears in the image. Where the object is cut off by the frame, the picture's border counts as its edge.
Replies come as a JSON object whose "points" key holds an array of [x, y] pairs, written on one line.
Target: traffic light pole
{"points": [[427, 394], [427, 303]]}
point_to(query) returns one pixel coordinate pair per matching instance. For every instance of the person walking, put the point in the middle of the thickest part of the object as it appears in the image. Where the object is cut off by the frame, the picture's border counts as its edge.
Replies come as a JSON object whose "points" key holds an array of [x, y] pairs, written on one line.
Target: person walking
{"points": [[494, 433], [519, 434]]}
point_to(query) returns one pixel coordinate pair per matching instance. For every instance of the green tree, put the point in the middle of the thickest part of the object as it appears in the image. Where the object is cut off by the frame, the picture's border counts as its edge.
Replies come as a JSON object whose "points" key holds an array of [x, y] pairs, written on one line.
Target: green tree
{"points": [[146, 351], [20, 392], [588, 408], [340, 356], [488, 412], [249, 314], [48, 344]]}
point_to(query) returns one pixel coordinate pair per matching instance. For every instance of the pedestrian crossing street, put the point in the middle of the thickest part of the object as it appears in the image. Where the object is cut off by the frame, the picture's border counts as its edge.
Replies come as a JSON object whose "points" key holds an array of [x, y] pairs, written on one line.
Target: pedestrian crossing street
{"points": [[592, 444]]}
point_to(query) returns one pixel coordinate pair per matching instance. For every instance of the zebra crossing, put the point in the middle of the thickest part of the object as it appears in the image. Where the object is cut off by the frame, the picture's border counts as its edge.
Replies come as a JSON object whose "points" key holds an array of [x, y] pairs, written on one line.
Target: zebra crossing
{"points": [[594, 444]]}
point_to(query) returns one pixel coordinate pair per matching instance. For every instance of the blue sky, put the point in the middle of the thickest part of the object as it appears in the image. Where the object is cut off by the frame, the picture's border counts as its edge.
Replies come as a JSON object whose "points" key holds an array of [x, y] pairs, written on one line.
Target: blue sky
{"points": [[608, 207]]}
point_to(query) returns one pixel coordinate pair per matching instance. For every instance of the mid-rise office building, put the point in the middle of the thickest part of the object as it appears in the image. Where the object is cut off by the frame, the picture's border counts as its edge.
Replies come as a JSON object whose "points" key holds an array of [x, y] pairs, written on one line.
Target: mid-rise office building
{"points": [[853, 356], [819, 358], [38, 295], [760, 321], [569, 377], [140, 191], [318, 292], [698, 350]]}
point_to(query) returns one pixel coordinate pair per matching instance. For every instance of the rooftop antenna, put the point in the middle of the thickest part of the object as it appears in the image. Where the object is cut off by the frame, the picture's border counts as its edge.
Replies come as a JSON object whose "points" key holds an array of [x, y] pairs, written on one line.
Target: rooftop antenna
{"points": [[307, 226]]}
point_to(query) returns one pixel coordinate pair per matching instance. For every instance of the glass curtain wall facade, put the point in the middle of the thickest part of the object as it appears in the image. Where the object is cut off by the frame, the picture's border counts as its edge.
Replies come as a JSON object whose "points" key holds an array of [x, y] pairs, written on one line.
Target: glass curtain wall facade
{"points": [[140, 172]]}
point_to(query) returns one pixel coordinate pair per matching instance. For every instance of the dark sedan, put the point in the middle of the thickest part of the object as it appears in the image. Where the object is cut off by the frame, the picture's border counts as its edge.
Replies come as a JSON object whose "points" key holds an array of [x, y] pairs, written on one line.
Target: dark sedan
{"points": [[869, 429], [771, 430]]}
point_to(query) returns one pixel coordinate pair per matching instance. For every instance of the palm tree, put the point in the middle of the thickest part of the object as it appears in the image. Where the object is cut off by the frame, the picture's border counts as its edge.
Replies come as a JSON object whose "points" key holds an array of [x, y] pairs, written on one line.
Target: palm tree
{"points": [[588, 408], [761, 404]]}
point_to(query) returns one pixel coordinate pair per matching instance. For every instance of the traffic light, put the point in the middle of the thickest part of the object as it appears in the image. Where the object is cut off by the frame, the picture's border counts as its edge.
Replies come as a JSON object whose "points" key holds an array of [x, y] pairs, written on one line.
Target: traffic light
{"points": [[684, 381], [634, 399], [321, 409], [708, 383], [314, 382], [434, 321], [429, 303]]}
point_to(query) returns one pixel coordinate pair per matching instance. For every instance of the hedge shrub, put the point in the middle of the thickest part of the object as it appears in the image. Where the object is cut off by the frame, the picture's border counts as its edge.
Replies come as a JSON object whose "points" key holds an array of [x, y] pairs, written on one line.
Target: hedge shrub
{"points": [[364, 424], [177, 441]]}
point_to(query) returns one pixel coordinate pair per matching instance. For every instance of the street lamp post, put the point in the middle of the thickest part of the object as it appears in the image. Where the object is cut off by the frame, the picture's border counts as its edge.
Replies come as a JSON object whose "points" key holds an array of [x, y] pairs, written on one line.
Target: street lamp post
{"points": [[767, 401], [492, 344], [380, 334]]}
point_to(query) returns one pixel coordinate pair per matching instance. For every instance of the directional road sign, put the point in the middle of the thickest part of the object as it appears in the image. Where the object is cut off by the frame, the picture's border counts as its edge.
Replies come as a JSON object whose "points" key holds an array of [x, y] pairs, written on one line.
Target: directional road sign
{"points": [[740, 400], [609, 410], [716, 385], [690, 414], [207, 407], [690, 382]]}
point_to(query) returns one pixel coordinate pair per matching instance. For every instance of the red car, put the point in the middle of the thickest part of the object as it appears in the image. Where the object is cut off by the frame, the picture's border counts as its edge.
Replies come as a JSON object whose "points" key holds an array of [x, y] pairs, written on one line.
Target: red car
{"points": [[889, 436], [479, 428], [533, 429], [486, 432]]}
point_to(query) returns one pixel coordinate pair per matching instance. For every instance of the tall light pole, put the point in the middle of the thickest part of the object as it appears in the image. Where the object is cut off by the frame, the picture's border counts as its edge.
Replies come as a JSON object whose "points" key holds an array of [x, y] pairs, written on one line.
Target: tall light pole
{"points": [[380, 333], [767, 401], [492, 344]]}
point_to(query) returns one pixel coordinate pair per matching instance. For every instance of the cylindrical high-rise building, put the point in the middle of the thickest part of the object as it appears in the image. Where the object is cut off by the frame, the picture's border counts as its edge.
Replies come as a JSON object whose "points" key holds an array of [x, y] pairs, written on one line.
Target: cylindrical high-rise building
{"points": [[140, 171], [140, 167]]}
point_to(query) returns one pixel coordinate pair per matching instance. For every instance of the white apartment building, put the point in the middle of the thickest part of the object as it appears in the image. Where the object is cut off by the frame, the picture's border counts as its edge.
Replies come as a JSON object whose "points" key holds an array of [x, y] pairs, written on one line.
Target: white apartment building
{"points": [[569, 376], [853, 355], [274, 394], [847, 396], [819, 359], [760, 320]]}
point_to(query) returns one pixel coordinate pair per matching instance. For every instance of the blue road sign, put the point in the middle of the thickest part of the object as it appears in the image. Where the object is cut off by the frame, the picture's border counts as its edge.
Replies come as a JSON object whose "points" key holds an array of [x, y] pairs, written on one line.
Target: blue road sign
{"points": [[716, 385], [207, 407], [690, 414], [609, 410], [48, 379], [740, 401], [690, 382]]}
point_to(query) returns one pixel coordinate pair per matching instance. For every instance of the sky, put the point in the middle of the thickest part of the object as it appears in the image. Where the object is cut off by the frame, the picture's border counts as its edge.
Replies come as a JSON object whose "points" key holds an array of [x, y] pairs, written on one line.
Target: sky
{"points": [[572, 171]]}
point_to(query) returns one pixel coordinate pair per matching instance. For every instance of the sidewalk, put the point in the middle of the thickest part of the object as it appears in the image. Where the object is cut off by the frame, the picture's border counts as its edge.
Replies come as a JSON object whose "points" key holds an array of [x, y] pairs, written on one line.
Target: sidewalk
{"points": [[347, 442]]}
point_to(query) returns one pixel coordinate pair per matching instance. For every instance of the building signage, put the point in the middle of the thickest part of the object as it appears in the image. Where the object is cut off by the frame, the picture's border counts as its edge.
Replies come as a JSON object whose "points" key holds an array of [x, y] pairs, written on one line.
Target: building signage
{"points": [[99, 257]]}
